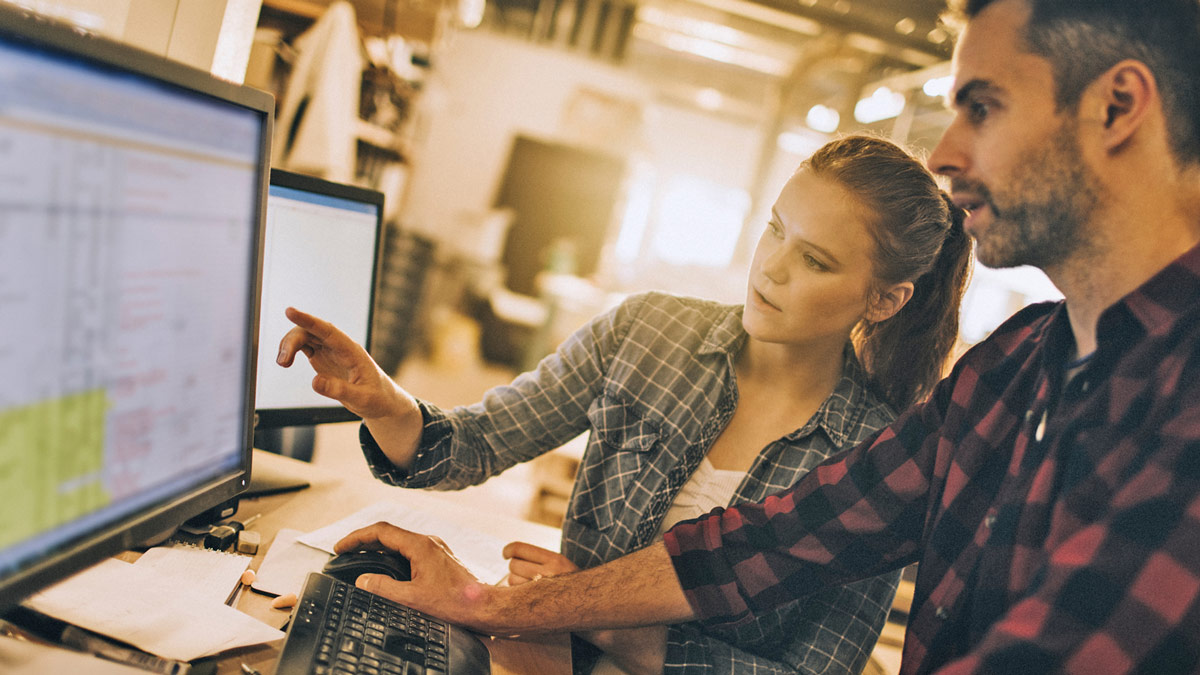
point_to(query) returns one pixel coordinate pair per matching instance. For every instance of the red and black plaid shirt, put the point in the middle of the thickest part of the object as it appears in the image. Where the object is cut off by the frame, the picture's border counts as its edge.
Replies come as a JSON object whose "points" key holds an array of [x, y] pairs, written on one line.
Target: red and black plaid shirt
{"points": [[1056, 520]]}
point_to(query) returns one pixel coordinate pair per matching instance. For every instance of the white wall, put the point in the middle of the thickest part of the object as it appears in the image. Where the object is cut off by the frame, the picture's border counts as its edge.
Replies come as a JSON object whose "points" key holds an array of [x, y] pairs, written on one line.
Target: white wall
{"points": [[213, 35], [704, 167], [484, 89], [106, 17]]}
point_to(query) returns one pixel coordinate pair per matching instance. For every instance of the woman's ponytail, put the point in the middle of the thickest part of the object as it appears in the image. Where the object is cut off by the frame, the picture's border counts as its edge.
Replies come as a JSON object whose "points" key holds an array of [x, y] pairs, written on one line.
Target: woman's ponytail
{"points": [[907, 354]]}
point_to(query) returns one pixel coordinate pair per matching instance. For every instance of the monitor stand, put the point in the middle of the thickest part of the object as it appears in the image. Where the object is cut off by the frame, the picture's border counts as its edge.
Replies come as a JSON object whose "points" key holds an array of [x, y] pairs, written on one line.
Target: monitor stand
{"points": [[271, 474], [296, 442], [266, 480]]}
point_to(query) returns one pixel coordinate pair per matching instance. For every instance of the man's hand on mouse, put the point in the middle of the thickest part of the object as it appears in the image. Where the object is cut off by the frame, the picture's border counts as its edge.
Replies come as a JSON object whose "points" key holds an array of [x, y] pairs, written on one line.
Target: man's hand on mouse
{"points": [[440, 586]]}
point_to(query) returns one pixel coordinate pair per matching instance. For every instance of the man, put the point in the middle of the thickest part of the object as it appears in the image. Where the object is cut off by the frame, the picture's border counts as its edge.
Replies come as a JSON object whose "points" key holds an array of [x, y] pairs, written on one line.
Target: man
{"points": [[1050, 488]]}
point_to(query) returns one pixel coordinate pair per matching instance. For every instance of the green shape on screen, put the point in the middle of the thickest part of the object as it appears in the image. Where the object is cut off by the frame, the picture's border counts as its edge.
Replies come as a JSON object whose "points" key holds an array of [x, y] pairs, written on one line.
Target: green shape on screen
{"points": [[51, 456]]}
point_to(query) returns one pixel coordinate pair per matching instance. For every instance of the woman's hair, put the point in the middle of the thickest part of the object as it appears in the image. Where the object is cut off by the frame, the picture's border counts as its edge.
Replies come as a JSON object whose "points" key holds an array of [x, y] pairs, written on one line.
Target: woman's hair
{"points": [[919, 237]]}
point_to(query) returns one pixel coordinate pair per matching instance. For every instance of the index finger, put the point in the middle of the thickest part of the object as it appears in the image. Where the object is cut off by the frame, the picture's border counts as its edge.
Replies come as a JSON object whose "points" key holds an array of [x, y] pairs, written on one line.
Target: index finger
{"points": [[317, 326], [324, 331], [526, 551]]}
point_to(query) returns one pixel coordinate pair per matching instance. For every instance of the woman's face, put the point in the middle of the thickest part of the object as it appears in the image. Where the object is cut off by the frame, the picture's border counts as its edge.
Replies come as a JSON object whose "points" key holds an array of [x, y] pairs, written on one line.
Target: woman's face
{"points": [[811, 276]]}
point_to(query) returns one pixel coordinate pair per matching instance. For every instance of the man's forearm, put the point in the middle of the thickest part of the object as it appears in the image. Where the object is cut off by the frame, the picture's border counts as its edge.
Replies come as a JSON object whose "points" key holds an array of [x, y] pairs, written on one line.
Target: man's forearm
{"points": [[639, 589]]}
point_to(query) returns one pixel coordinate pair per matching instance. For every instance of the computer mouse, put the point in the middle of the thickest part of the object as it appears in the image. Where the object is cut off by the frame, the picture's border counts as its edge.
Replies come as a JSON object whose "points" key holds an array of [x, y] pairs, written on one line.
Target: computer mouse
{"points": [[348, 566]]}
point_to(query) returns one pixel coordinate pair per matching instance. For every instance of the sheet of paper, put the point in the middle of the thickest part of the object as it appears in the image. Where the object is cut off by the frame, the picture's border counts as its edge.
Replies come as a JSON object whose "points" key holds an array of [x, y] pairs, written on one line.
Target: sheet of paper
{"points": [[210, 573], [478, 551], [146, 609], [287, 564], [18, 657]]}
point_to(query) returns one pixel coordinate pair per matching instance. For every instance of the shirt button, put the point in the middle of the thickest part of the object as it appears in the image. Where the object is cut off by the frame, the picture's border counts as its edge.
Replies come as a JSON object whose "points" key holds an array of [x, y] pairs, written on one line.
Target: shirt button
{"points": [[1040, 432], [941, 613], [1084, 386]]}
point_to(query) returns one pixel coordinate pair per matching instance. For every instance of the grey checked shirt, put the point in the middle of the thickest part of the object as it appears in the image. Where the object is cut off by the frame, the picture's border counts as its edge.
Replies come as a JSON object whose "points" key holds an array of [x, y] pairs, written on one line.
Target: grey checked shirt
{"points": [[653, 381]]}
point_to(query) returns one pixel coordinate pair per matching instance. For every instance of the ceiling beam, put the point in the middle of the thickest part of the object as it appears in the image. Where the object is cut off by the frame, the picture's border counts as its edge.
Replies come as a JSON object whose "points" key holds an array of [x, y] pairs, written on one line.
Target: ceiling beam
{"points": [[850, 23]]}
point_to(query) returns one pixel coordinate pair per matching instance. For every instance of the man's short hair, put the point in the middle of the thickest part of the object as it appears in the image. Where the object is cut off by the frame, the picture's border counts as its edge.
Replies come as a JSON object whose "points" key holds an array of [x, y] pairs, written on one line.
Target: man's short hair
{"points": [[1083, 38]]}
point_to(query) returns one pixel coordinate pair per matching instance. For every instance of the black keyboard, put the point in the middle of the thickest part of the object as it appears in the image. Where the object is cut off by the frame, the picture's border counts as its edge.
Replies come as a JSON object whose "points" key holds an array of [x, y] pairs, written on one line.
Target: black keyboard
{"points": [[338, 629]]}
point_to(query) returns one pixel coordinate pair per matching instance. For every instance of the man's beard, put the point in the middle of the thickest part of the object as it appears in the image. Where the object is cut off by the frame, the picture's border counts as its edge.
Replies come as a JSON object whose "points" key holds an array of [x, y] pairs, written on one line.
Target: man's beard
{"points": [[1047, 209]]}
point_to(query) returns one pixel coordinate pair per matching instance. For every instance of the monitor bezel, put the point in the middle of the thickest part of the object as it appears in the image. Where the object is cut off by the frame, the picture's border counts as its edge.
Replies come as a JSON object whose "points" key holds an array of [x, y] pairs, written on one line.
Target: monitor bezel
{"points": [[19, 26], [277, 418]]}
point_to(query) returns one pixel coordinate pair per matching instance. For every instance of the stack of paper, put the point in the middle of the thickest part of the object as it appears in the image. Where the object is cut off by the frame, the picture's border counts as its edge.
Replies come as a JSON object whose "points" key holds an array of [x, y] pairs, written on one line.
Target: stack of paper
{"points": [[171, 606], [287, 564], [214, 574]]}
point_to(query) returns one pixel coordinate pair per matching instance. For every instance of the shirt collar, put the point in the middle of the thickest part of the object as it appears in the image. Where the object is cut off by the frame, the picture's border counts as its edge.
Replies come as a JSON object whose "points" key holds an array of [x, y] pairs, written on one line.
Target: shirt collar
{"points": [[1155, 307], [840, 413], [726, 335]]}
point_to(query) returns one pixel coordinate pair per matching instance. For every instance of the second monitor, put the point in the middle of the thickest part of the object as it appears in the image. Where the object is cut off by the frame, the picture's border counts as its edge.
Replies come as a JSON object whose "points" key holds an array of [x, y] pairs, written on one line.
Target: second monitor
{"points": [[321, 255]]}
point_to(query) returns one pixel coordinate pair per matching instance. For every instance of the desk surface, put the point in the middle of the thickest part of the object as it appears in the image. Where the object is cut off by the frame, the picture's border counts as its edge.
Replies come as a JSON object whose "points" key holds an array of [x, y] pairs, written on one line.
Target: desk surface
{"points": [[337, 491]]}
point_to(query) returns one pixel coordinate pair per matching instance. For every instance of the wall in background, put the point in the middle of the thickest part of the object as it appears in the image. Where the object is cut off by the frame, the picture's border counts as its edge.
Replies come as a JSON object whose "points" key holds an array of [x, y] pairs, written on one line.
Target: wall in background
{"points": [[483, 90], [486, 88], [212, 35]]}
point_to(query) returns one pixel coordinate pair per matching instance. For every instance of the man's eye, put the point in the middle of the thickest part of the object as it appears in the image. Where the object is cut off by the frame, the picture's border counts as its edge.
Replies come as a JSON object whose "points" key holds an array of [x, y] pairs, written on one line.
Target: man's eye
{"points": [[978, 111]]}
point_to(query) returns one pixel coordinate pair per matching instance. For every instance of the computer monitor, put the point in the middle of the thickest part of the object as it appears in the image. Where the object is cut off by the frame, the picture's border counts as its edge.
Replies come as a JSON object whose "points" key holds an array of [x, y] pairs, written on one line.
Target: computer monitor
{"points": [[321, 254], [132, 195]]}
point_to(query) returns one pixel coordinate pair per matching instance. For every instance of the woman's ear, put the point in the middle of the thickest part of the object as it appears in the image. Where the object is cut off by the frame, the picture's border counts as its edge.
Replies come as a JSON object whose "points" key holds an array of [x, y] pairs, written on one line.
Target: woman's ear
{"points": [[889, 301]]}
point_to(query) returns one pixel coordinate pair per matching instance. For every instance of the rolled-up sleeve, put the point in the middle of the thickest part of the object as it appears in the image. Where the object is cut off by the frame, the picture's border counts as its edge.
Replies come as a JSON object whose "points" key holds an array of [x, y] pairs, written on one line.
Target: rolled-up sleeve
{"points": [[540, 410]]}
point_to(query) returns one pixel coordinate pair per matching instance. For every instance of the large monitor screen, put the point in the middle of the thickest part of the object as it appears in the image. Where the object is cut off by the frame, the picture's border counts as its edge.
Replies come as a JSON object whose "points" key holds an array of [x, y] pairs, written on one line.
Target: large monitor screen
{"points": [[320, 254], [131, 204]]}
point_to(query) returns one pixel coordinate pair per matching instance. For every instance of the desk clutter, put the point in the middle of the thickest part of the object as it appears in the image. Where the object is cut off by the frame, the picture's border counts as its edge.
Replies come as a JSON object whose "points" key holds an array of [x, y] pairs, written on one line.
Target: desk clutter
{"points": [[175, 602], [286, 564], [172, 606], [25, 656]]}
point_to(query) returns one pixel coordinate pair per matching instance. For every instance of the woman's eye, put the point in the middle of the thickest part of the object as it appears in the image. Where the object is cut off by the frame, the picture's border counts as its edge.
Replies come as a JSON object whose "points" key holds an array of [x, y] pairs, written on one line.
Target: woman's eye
{"points": [[774, 229], [814, 263]]}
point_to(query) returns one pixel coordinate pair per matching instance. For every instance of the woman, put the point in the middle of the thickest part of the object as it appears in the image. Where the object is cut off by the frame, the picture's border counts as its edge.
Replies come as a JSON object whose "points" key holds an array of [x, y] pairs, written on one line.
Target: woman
{"points": [[851, 312]]}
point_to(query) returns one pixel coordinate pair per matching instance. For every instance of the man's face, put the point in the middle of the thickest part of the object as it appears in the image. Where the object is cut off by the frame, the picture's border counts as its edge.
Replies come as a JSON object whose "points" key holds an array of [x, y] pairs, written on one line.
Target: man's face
{"points": [[1013, 160]]}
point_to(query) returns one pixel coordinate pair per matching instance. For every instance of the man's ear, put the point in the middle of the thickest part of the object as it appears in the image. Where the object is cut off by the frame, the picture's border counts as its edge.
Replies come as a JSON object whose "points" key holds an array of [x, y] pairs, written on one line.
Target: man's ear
{"points": [[889, 301], [1127, 93]]}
